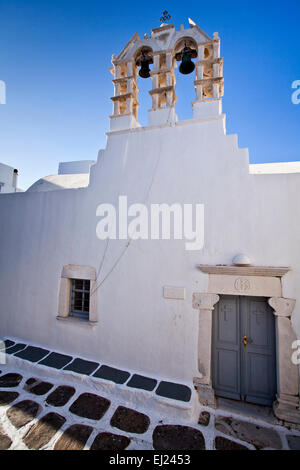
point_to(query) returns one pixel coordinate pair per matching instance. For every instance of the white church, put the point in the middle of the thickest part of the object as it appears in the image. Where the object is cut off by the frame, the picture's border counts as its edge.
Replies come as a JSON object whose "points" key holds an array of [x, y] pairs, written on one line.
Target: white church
{"points": [[220, 319]]}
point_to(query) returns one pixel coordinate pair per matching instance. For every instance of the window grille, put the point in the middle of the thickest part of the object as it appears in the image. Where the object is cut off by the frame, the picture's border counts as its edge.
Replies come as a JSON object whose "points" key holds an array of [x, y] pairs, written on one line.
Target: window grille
{"points": [[80, 298]]}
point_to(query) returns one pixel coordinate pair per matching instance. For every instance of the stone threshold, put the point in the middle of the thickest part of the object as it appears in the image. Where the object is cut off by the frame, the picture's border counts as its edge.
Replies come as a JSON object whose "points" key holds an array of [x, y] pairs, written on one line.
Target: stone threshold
{"points": [[246, 410]]}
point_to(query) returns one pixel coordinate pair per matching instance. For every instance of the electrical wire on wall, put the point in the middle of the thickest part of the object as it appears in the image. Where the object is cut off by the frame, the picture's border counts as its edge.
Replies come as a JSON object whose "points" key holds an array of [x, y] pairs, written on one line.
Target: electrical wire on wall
{"points": [[144, 202]]}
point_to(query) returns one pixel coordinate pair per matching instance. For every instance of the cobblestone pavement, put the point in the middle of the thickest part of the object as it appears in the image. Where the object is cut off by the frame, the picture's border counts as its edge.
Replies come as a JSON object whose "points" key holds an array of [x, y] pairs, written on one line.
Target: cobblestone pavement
{"points": [[38, 414]]}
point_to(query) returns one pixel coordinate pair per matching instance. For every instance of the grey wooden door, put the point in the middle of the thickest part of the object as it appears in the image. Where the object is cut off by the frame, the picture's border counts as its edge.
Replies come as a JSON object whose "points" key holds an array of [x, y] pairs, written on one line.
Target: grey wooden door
{"points": [[244, 359]]}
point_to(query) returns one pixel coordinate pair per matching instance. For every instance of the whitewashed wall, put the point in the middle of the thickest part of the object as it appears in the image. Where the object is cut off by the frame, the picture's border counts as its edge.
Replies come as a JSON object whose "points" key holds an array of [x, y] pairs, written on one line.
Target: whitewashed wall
{"points": [[139, 329]]}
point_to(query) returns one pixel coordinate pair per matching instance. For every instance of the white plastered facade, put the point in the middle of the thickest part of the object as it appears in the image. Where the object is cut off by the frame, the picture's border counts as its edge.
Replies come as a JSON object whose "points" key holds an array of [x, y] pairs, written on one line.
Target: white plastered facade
{"points": [[137, 324]]}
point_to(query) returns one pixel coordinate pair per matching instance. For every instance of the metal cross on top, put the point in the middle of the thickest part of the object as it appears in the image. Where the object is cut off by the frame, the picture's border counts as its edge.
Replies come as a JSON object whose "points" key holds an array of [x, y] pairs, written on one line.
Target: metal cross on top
{"points": [[165, 17]]}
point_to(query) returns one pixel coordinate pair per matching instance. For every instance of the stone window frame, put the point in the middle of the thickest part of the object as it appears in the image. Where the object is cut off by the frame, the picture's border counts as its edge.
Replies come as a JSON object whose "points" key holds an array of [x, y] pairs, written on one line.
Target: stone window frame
{"points": [[73, 271], [258, 282]]}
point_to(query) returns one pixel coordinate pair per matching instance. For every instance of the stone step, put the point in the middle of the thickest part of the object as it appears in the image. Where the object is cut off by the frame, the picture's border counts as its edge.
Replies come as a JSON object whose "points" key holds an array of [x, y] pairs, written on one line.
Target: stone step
{"points": [[162, 396]]}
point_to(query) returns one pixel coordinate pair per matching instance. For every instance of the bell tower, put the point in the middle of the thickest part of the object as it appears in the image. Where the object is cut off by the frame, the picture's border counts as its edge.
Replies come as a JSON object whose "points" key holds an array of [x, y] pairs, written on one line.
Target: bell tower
{"points": [[156, 57], [209, 83]]}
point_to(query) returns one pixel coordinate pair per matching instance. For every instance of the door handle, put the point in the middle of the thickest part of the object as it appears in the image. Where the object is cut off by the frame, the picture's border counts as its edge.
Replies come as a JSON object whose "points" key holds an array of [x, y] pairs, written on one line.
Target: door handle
{"points": [[247, 341]]}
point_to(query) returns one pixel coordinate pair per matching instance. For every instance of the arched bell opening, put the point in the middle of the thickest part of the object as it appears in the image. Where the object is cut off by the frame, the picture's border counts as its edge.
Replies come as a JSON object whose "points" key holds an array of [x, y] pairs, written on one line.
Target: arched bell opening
{"points": [[143, 64], [186, 51], [143, 60], [185, 55]]}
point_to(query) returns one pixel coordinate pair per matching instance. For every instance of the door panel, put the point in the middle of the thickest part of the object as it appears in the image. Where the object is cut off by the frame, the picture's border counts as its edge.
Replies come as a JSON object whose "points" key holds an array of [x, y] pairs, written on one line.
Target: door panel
{"points": [[227, 379], [258, 380], [226, 350], [239, 372], [258, 358]]}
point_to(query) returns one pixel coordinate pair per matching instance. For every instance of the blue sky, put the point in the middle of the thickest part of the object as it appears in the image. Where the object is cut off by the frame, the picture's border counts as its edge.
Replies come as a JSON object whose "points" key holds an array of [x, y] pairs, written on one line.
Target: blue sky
{"points": [[55, 55]]}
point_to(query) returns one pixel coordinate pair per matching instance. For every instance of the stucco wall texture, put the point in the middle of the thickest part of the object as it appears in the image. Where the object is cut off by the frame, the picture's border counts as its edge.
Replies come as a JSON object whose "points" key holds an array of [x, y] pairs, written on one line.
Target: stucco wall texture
{"points": [[190, 162]]}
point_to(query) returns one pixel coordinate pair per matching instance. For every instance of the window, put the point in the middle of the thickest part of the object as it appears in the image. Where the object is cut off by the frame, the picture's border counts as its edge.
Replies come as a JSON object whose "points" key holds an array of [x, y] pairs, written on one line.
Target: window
{"points": [[77, 299], [80, 298]]}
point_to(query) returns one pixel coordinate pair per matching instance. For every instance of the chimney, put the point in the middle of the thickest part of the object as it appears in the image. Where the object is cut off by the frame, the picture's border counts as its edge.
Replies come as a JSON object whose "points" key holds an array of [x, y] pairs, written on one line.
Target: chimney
{"points": [[15, 179]]}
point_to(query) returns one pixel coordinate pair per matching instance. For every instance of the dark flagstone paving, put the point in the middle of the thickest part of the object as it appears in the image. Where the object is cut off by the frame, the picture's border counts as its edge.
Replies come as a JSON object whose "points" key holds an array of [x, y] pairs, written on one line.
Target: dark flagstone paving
{"points": [[10, 380], [7, 397], [7, 344], [175, 391], [177, 438], [56, 360], [60, 396], [29, 383], [41, 388], [82, 367], [42, 432], [130, 420], [74, 438], [259, 437], [144, 383], [109, 441], [14, 349], [90, 406], [41, 427], [22, 413], [32, 354], [114, 375], [221, 443]]}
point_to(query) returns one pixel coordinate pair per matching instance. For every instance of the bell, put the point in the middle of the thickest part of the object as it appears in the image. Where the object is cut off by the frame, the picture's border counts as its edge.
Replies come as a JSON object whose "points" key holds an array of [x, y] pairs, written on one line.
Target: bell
{"points": [[145, 69], [187, 66], [144, 62]]}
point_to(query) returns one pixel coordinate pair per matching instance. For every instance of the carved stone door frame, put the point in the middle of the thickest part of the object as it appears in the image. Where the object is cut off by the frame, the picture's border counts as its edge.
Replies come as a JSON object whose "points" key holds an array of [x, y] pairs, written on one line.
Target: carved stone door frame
{"points": [[257, 282]]}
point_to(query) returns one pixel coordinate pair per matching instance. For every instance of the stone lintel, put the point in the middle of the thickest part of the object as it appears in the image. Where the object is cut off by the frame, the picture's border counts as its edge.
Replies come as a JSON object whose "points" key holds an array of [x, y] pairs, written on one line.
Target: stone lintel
{"points": [[74, 271], [245, 270], [253, 286]]}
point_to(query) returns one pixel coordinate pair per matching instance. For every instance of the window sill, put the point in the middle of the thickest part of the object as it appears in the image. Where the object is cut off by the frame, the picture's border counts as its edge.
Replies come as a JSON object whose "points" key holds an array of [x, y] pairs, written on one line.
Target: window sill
{"points": [[77, 320]]}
